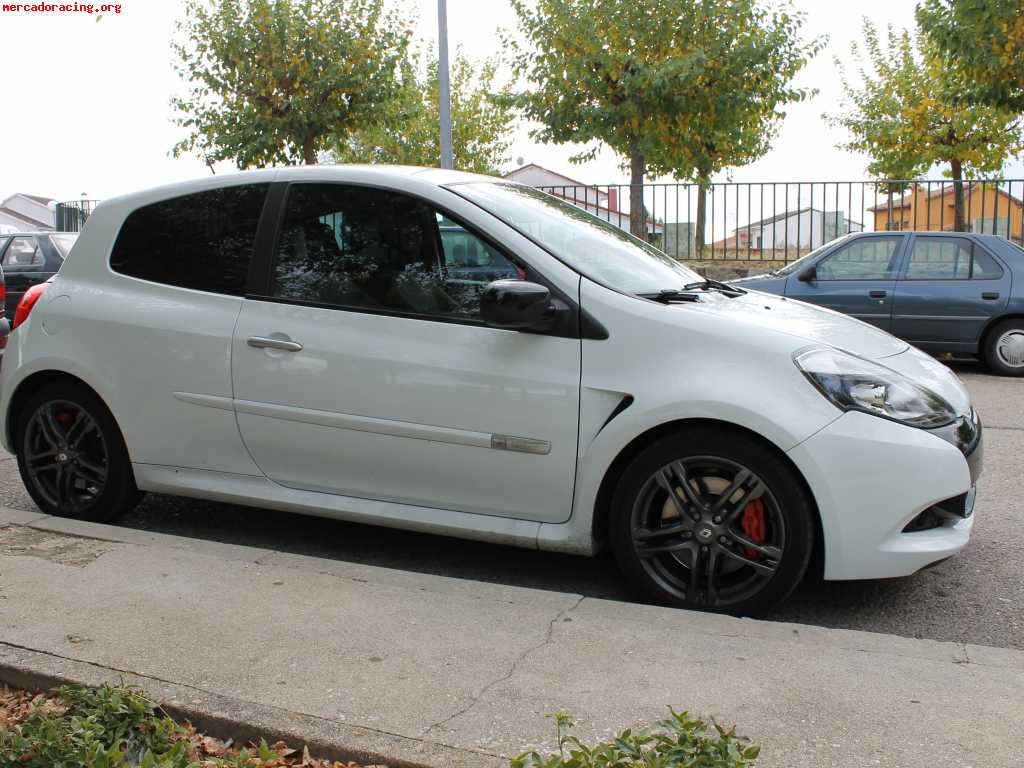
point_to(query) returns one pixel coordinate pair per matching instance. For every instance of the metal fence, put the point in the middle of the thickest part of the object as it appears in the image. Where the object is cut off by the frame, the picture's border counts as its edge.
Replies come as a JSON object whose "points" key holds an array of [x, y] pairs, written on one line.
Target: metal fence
{"points": [[781, 221], [70, 216]]}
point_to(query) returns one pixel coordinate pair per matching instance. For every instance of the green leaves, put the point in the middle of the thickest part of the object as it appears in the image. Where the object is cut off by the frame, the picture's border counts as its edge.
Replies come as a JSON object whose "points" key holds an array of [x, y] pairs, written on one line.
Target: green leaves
{"points": [[407, 132], [681, 741], [983, 45], [273, 81], [95, 728], [905, 110], [678, 87]]}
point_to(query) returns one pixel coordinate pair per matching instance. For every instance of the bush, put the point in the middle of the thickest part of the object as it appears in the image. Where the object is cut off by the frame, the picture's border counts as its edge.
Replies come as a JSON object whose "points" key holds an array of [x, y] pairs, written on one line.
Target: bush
{"points": [[116, 727], [681, 741]]}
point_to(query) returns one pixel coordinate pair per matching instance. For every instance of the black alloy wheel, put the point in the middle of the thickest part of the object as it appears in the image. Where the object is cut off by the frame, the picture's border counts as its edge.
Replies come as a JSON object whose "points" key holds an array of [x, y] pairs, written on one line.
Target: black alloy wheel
{"points": [[726, 530], [72, 457], [66, 457]]}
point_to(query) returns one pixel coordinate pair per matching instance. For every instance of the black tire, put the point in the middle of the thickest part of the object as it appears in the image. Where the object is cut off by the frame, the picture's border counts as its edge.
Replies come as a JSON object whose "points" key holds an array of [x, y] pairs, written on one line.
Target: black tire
{"points": [[657, 539], [1004, 348], [71, 455]]}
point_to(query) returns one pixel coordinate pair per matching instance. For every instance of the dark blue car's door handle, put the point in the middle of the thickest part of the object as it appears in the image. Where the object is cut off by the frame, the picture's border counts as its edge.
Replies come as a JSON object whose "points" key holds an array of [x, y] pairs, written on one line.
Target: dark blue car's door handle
{"points": [[878, 294], [990, 295]]}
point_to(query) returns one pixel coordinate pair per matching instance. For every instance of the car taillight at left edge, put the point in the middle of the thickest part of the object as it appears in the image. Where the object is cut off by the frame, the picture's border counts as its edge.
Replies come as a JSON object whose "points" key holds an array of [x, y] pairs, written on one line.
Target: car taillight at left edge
{"points": [[27, 302], [5, 327]]}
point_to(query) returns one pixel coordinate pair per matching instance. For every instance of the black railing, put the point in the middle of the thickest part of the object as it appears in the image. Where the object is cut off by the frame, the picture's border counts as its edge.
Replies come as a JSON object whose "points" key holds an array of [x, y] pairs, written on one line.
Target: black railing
{"points": [[71, 216], [781, 221]]}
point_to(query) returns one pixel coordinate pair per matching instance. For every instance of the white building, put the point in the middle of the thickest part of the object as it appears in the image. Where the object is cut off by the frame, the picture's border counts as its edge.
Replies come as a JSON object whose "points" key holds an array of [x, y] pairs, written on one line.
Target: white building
{"points": [[807, 228], [600, 201], [26, 213]]}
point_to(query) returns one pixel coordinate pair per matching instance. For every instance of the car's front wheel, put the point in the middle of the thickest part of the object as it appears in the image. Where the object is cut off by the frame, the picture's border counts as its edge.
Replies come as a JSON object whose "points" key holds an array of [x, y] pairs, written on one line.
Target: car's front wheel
{"points": [[1004, 348], [711, 519], [71, 455]]}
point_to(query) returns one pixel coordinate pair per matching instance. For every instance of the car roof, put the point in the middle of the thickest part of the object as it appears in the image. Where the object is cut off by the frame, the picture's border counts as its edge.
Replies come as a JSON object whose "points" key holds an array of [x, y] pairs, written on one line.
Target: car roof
{"points": [[385, 174], [36, 232]]}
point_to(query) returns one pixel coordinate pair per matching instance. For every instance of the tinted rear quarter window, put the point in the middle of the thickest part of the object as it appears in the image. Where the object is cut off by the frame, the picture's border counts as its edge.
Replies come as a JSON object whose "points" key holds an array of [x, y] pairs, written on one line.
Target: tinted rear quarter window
{"points": [[203, 241]]}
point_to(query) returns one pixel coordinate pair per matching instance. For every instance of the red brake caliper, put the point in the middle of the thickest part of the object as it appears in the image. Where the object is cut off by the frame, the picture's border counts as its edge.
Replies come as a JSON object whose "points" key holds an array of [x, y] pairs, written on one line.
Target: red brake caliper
{"points": [[753, 526]]}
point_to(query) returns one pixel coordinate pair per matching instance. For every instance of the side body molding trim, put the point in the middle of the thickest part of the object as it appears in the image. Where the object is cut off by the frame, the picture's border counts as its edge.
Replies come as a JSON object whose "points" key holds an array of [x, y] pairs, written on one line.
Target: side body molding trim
{"points": [[371, 424]]}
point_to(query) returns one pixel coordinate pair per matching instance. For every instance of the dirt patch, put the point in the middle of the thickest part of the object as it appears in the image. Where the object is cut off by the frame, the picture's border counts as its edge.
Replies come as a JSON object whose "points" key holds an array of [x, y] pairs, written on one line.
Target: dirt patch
{"points": [[58, 548]]}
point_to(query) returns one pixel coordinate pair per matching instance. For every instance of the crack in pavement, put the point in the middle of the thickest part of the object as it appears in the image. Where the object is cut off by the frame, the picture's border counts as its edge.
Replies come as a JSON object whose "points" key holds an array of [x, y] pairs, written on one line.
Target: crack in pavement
{"points": [[475, 699]]}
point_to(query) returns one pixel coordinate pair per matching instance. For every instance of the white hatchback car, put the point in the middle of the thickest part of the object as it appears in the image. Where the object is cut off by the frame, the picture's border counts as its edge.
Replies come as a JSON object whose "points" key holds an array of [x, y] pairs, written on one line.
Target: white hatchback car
{"points": [[461, 355]]}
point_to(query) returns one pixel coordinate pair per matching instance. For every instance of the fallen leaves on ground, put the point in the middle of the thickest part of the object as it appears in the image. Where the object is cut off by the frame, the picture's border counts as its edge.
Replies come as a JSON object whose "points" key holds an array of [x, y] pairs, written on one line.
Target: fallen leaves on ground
{"points": [[206, 751]]}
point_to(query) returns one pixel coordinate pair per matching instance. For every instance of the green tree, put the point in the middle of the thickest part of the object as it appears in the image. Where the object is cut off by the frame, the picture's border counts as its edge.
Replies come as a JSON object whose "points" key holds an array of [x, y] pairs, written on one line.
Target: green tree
{"points": [[903, 111], [274, 80], [673, 86], [985, 41], [408, 133]]}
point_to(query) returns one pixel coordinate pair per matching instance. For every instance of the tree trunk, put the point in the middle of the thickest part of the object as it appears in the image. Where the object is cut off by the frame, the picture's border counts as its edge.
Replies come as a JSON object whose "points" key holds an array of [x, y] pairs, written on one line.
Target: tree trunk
{"points": [[702, 204], [637, 168], [959, 225], [309, 151]]}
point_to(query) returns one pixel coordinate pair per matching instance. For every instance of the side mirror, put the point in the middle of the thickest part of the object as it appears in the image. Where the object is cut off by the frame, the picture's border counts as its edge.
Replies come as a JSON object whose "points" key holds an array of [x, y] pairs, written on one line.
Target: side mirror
{"points": [[514, 304], [808, 275]]}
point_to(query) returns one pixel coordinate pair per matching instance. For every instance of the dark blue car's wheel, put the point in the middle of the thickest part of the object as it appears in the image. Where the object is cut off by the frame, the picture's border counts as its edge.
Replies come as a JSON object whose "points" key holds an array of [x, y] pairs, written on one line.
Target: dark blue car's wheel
{"points": [[1004, 348]]}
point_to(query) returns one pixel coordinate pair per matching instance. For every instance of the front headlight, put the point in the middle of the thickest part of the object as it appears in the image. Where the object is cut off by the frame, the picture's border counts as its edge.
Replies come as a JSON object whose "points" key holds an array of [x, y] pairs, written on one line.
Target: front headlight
{"points": [[855, 384]]}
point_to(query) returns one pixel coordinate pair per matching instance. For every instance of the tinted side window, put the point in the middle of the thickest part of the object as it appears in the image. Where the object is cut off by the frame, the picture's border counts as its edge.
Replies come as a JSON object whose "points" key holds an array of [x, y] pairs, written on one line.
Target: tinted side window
{"points": [[380, 250], [23, 252], [950, 258], [870, 258], [202, 241]]}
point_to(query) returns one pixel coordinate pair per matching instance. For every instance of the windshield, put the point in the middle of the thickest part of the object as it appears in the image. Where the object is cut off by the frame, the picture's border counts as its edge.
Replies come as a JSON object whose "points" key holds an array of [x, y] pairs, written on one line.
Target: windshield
{"points": [[803, 261], [63, 243], [593, 247]]}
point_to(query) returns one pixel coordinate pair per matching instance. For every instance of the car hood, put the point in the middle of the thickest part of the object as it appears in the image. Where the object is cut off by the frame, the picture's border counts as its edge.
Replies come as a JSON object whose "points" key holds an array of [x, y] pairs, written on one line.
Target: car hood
{"points": [[808, 324]]}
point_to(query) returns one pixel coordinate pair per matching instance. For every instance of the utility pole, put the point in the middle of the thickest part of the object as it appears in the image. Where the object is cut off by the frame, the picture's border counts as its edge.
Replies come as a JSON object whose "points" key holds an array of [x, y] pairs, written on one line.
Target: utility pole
{"points": [[444, 87]]}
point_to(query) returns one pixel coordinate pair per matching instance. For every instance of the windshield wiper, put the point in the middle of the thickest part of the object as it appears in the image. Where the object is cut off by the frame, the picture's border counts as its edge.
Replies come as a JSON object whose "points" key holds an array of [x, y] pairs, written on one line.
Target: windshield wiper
{"points": [[708, 284], [670, 296]]}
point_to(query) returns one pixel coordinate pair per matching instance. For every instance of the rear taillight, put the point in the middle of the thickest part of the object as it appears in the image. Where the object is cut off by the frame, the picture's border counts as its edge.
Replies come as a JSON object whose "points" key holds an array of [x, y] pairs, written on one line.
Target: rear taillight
{"points": [[27, 302], [3, 294]]}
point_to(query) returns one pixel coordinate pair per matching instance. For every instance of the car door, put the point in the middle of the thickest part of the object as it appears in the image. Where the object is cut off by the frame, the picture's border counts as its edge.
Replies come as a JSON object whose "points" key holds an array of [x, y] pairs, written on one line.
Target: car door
{"points": [[858, 278], [24, 265], [364, 369], [949, 289]]}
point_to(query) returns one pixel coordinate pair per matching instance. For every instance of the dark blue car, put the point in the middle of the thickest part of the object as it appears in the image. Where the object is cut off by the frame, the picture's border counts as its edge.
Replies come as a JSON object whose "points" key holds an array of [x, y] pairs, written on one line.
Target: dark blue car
{"points": [[947, 293]]}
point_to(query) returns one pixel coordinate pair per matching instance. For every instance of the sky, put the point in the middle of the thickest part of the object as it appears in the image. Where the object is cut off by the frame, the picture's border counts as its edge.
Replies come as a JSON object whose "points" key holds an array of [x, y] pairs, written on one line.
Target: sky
{"points": [[93, 116]]}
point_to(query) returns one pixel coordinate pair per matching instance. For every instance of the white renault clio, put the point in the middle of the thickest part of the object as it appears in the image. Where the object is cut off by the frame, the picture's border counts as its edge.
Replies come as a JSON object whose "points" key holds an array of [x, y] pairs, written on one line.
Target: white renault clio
{"points": [[457, 354]]}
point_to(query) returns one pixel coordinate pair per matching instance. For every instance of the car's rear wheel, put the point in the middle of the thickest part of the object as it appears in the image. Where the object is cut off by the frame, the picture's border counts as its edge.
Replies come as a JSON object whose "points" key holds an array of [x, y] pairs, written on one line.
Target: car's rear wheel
{"points": [[712, 520], [72, 457], [1004, 348]]}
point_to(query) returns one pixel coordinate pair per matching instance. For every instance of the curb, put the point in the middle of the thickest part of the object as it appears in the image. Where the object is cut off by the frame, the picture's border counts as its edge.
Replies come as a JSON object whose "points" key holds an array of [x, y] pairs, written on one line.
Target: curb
{"points": [[224, 717]]}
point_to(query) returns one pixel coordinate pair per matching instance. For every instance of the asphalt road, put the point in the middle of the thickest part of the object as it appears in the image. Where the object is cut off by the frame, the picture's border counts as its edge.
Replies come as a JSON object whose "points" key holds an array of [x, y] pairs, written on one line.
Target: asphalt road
{"points": [[975, 597]]}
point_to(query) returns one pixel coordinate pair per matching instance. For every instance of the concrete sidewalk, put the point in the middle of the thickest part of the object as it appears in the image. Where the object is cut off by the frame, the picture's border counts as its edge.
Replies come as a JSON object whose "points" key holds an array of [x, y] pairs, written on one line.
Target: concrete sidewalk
{"points": [[415, 668]]}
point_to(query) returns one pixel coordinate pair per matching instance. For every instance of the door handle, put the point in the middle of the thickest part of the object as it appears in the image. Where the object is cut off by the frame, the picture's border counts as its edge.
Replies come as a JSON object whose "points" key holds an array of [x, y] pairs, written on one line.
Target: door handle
{"points": [[262, 342], [878, 294], [990, 295]]}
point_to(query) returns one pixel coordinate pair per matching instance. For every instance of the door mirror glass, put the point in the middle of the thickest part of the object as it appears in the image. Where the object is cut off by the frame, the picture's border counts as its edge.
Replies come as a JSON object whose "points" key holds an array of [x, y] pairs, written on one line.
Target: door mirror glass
{"points": [[515, 304], [808, 275]]}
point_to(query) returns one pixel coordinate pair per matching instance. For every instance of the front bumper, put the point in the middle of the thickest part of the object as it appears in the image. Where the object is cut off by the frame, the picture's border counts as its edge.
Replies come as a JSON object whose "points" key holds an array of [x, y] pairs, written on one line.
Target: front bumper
{"points": [[871, 479]]}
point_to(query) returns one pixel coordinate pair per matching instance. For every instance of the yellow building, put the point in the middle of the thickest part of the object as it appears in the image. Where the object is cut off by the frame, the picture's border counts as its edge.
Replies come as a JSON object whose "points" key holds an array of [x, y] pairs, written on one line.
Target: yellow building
{"points": [[987, 209]]}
